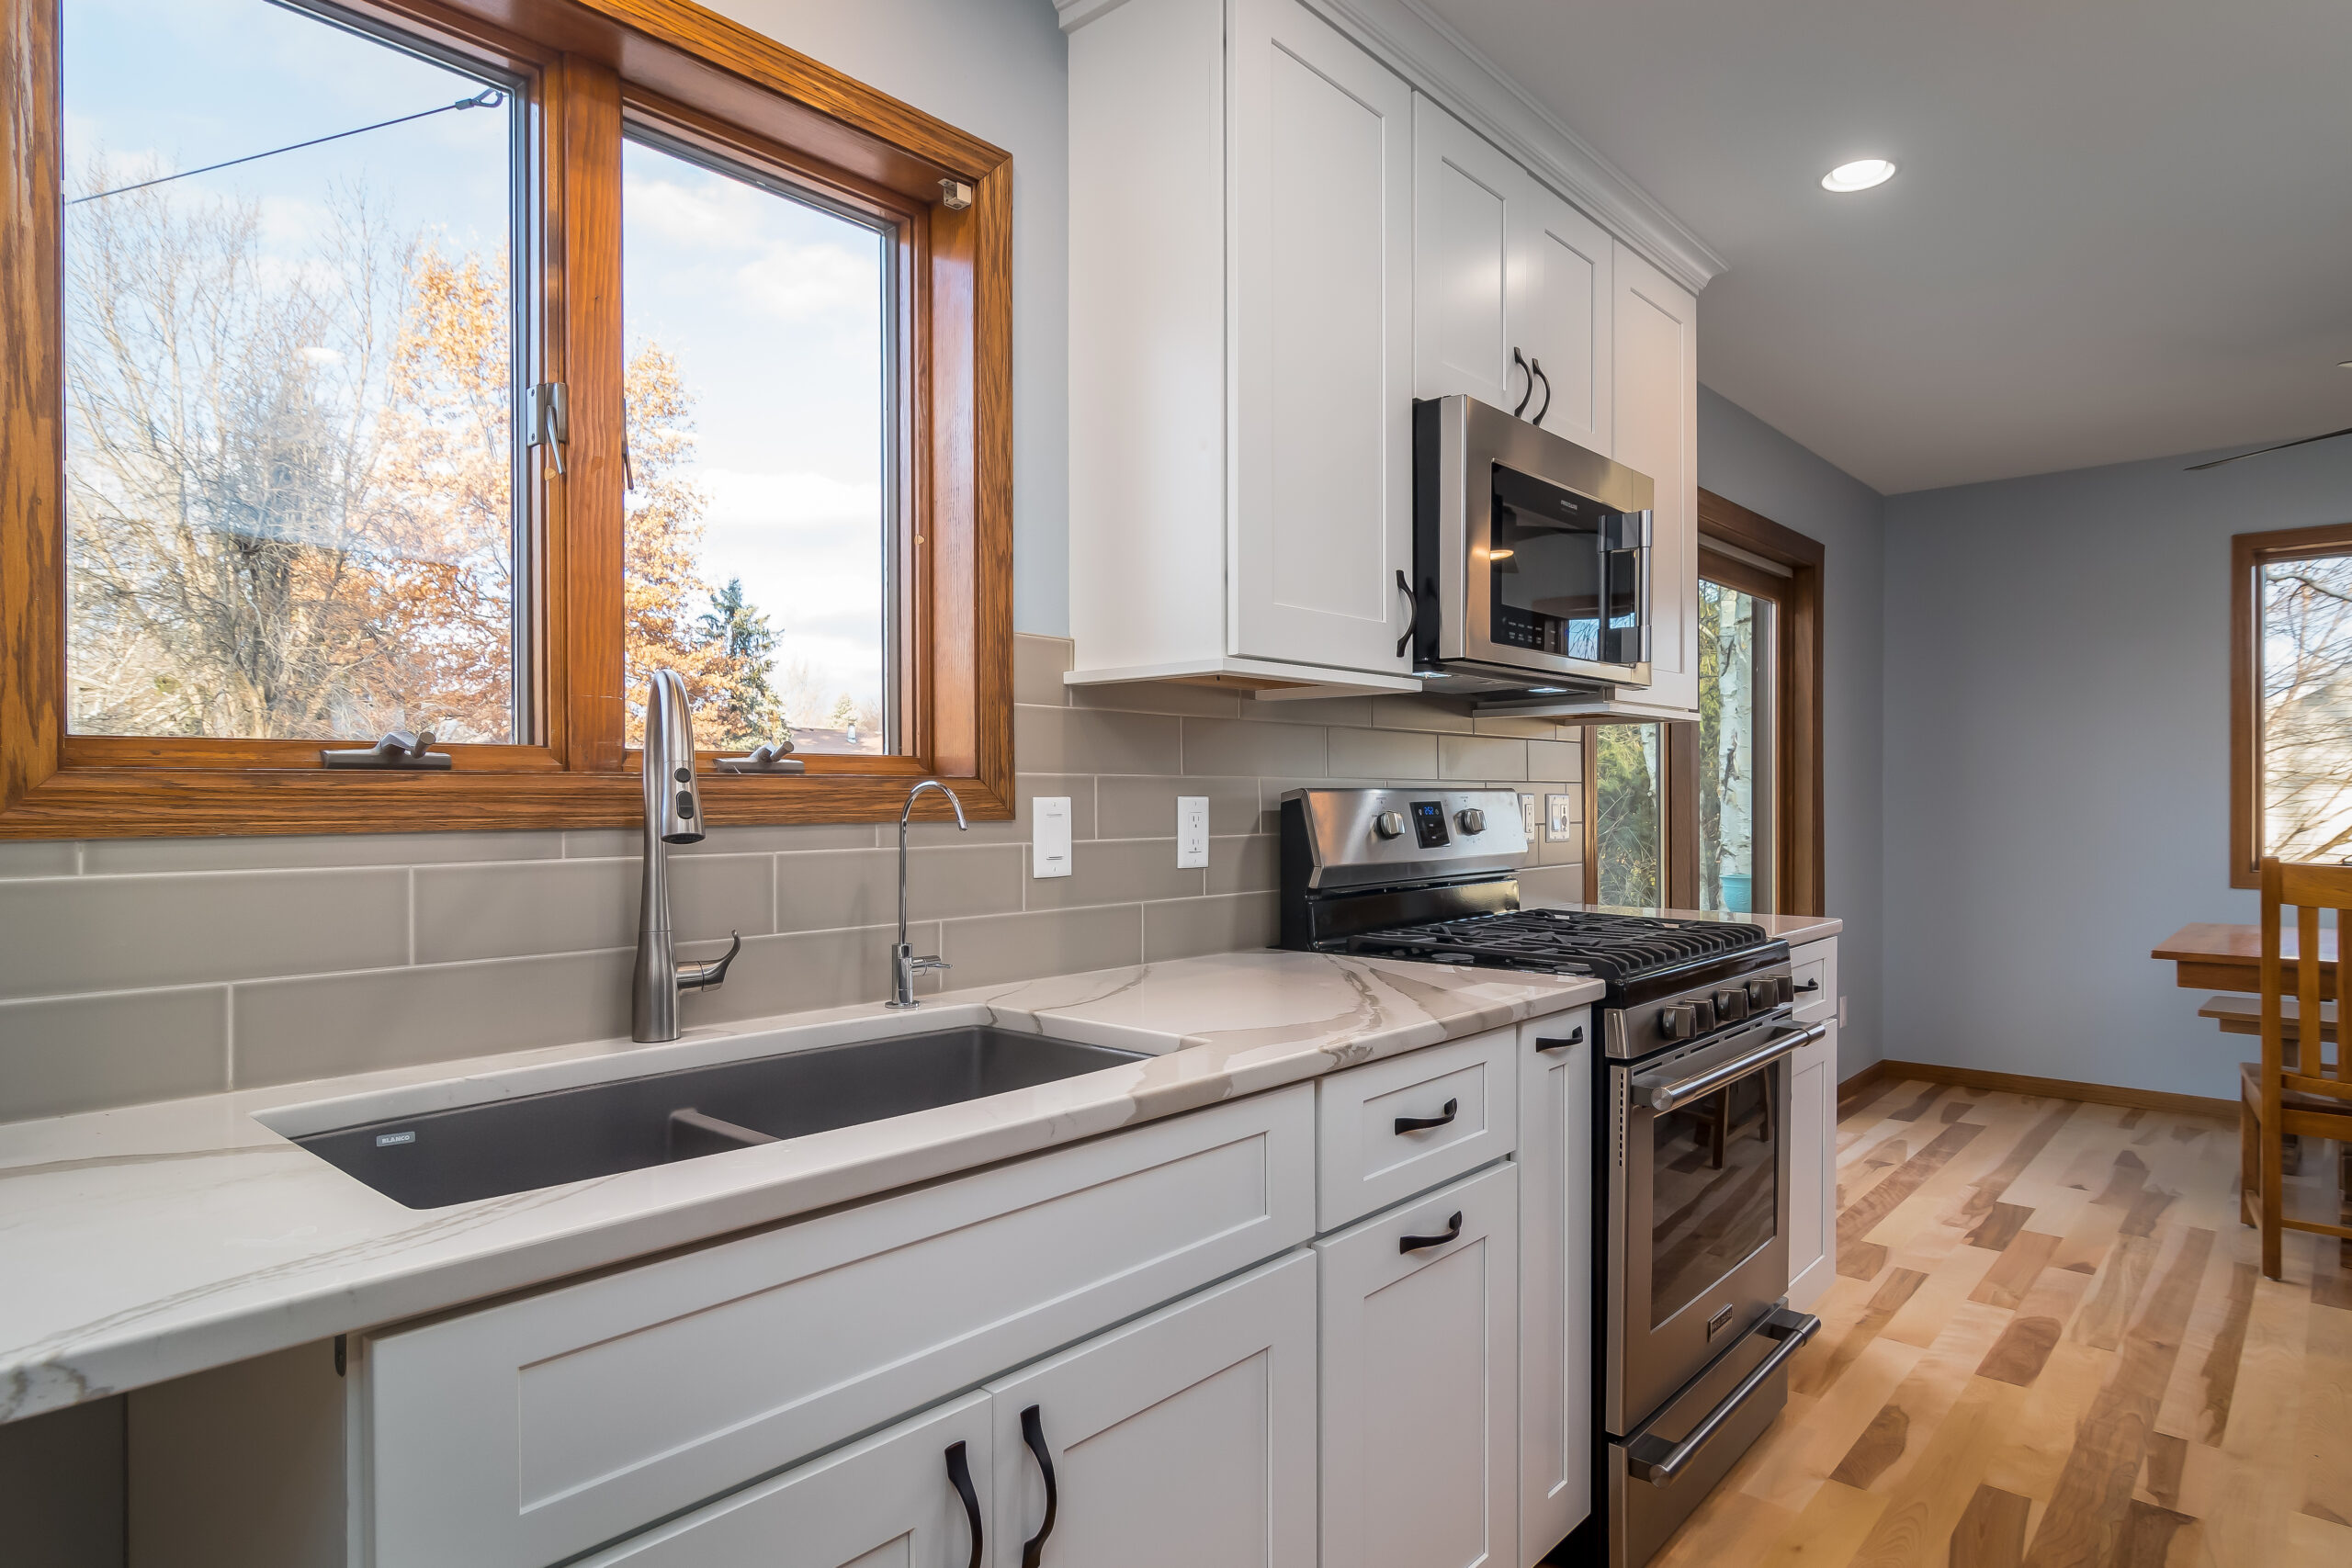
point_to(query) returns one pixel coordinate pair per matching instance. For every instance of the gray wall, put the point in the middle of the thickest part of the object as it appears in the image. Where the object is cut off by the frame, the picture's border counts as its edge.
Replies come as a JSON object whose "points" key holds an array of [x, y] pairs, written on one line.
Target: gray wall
{"points": [[2057, 708], [1742, 459]]}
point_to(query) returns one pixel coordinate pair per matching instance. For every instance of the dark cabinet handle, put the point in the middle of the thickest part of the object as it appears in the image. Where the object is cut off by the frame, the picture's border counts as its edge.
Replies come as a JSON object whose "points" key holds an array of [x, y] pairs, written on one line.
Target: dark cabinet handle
{"points": [[1032, 1432], [1521, 360], [1416, 1243], [1418, 1123], [1574, 1037], [1538, 368], [1413, 622], [959, 1471], [1809, 986]]}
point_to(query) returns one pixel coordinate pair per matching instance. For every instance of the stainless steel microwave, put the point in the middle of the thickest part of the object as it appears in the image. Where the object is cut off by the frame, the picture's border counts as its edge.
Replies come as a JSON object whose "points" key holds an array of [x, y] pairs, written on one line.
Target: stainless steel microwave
{"points": [[1531, 556]]}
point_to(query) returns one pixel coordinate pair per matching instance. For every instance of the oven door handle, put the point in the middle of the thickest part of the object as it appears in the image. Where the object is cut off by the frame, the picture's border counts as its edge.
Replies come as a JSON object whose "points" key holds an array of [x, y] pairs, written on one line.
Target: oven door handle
{"points": [[1671, 1092], [1652, 1458]]}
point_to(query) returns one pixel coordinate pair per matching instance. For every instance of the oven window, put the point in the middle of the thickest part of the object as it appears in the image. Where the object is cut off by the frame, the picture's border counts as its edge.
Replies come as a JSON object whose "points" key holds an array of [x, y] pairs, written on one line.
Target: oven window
{"points": [[1544, 562], [1714, 1195]]}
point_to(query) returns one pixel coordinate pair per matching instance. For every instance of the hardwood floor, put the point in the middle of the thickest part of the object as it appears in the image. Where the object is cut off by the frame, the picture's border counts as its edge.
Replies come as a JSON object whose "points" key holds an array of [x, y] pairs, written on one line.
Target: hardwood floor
{"points": [[2050, 1346]]}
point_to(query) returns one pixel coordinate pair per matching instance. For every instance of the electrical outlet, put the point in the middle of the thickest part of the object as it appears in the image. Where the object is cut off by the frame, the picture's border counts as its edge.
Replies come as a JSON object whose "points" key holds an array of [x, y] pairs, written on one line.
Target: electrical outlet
{"points": [[1560, 818], [1191, 831], [1049, 836], [1527, 817]]}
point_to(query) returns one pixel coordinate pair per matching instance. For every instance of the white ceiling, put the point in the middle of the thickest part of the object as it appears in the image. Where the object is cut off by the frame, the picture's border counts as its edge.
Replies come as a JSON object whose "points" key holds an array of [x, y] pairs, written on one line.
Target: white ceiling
{"points": [[2122, 228]]}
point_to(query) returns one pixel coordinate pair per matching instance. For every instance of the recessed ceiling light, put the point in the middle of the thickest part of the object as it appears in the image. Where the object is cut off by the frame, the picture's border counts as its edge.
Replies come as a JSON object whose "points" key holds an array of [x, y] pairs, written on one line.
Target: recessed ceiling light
{"points": [[2344, 365], [1860, 174]]}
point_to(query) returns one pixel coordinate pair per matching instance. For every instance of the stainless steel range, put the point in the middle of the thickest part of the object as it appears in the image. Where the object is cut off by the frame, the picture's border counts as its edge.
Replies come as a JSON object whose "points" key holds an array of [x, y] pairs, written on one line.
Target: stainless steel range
{"points": [[1692, 1189]]}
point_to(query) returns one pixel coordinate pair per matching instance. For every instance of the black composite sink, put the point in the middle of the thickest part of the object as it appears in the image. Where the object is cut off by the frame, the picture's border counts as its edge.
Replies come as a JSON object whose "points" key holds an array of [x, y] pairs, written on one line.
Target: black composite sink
{"points": [[569, 1134]]}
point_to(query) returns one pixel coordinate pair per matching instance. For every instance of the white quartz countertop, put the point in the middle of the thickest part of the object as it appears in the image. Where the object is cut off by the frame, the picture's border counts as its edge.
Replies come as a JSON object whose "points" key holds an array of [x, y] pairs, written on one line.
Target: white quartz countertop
{"points": [[146, 1243]]}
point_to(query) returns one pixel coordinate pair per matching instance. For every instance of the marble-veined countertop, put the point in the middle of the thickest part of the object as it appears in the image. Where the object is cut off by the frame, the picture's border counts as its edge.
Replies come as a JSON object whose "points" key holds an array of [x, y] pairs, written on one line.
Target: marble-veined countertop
{"points": [[146, 1243]]}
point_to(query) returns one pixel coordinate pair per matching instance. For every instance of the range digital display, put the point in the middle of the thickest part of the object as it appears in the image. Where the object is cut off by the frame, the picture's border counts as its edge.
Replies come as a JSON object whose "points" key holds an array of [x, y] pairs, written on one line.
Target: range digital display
{"points": [[1429, 824]]}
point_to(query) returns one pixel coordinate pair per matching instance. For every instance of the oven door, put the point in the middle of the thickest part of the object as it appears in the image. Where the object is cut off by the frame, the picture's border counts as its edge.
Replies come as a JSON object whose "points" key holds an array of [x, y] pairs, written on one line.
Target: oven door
{"points": [[1699, 1207]]}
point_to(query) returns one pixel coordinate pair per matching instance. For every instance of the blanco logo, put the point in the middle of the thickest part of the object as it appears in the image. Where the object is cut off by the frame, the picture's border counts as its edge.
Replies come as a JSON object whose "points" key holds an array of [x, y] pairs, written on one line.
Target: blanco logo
{"points": [[386, 1139]]}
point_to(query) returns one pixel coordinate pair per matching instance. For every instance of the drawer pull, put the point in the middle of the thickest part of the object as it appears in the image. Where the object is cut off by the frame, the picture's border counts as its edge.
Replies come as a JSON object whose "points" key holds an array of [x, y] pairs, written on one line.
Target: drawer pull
{"points": [[1808, 986], [959, 1471], [1574, 1037], [1422, 1123], [1032, 1432], [1416, 1243]]}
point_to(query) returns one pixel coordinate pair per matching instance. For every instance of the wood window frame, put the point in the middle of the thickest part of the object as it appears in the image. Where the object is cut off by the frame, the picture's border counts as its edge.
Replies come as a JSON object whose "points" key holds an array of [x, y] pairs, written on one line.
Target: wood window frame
{"points": [[2248, 554], [594, 63]]}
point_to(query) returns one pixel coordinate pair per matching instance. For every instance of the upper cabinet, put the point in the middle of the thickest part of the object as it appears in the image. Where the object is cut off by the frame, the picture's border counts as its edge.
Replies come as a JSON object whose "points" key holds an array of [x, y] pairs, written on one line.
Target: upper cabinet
{"points": [[1277, 242], [1511, 298]]}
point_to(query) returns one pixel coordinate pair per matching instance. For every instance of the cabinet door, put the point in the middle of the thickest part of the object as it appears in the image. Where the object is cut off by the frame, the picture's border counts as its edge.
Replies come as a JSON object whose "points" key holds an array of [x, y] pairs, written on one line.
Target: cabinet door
{"points": [[1420, 1374], [891, 1499], [1656, 412], [1185, 1439], [1322, 318], [1471, 219], [1813, 1171], [1556, 1257], [1565, 316]]}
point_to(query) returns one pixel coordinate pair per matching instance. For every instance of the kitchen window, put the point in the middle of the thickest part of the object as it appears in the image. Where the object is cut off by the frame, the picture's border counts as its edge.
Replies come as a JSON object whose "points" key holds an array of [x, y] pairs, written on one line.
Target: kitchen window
{"points": [[1724, 814], [387, 369], [2290, 698]]}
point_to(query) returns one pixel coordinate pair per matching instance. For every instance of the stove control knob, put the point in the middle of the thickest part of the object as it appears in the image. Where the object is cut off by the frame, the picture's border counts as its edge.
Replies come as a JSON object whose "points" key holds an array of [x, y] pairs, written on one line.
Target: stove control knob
{"points": [[1731, 1005], [1389, 824], [1679, 1021], [1471, 820], [1787, 987], [1764, 994]]}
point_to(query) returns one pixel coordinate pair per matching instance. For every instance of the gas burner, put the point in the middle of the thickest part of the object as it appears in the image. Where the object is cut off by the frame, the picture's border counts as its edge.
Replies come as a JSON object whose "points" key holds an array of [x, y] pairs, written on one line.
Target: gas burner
{"points": [[1616, 948]]}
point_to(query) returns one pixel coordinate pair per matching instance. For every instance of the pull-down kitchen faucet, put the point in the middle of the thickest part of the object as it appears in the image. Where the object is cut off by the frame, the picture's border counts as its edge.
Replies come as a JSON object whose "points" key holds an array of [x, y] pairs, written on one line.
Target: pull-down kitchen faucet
{"points": [[904, 964], [673, 815]]}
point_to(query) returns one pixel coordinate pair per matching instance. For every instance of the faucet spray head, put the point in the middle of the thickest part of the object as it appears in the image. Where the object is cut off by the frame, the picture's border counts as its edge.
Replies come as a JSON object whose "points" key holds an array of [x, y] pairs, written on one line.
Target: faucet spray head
{"points": [[672, 807]]}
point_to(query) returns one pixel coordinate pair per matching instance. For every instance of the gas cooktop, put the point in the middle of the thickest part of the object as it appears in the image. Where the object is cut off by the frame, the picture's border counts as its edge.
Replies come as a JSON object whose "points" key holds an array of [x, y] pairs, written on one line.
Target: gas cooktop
{"points": [[1615, 948]]}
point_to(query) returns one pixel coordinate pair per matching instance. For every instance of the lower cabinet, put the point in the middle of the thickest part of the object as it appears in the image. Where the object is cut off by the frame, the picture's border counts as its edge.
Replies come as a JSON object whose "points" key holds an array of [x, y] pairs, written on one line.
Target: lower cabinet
{"points": [[1812, 1170], [1185, 1438], [1421, 1380], [1555, 1280], [894, 1499]]}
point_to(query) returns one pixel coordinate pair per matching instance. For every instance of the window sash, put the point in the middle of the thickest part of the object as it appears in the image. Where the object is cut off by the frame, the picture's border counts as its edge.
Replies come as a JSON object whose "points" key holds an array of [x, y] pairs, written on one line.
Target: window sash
{"points": [[2249, 554]]}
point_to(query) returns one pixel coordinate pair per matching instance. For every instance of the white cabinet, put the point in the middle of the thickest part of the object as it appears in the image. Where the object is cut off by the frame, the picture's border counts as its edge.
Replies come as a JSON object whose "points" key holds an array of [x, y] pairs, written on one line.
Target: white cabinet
{"points": [[1392, 1128], [1420, 1382], [1240, 347], [892, 1498], [1555, 1280], [1508, 281], [1655, 410], [1185, 1439], [1813, 1131]]}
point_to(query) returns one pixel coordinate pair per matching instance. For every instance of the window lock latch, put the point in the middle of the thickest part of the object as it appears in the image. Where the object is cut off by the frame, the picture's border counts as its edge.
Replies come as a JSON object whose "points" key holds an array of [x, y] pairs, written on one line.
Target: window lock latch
{"points": [[399, 750], [548, 419]]}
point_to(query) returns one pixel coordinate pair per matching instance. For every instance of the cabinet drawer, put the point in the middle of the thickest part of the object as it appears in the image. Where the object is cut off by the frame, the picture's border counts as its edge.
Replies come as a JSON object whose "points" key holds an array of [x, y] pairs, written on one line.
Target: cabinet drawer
{"points": [[1364, 1162], [1815, 965], [531, 1431]]}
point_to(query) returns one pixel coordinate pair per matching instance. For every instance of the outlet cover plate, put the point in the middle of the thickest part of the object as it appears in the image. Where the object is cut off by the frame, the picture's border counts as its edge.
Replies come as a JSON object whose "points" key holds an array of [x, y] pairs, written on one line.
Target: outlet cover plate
{"points": [[1049, 839], [1191, 831], [1560, 816]]}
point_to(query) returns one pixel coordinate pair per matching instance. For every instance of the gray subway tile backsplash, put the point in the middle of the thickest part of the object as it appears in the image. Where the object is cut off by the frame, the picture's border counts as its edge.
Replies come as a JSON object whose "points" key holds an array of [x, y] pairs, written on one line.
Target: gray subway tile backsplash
{"points": [[147, 969]]}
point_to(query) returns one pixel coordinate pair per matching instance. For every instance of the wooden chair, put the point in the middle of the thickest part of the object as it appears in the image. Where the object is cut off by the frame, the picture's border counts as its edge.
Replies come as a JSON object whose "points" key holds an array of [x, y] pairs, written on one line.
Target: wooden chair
{"points": [[2276, 1097]]}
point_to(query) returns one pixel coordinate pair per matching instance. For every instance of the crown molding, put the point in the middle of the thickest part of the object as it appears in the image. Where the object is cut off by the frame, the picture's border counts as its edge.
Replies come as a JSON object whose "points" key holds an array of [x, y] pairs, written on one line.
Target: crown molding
{"points": [[1438, 62]]}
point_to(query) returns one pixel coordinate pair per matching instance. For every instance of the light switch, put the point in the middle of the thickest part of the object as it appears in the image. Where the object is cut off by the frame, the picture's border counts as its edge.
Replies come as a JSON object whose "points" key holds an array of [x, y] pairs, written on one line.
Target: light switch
{"points": [[1527, 817], [1191, 831], [1560, 816], [1049, 838]]}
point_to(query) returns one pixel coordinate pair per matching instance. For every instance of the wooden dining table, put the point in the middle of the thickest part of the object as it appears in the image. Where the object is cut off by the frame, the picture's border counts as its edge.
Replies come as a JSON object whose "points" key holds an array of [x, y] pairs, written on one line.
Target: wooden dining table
{"points": [[2213, 957]]}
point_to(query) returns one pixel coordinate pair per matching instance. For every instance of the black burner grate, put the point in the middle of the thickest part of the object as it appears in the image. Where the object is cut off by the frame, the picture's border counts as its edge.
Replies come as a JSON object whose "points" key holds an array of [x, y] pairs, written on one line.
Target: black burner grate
{"points": [[1616, 948]]}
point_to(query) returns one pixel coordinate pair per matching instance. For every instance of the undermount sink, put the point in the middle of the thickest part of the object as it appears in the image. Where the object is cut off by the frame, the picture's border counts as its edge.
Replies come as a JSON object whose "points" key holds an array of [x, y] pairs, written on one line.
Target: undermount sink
{"points": [[569, 1134]]}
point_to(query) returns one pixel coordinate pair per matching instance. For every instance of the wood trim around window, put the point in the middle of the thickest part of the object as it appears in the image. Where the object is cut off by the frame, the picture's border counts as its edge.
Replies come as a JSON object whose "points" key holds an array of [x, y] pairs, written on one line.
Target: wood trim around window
{"points": [[2247, 553], [1800, 874], [955, 553]]}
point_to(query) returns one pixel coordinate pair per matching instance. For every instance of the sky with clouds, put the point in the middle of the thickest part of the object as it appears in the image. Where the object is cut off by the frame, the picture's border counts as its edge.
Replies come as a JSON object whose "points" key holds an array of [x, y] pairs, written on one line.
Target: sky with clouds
{"points": [[770, 306]]}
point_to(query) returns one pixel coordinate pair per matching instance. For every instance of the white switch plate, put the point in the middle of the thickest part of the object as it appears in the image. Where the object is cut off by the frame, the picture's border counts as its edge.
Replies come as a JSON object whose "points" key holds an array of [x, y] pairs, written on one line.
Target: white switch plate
{"points": [[1191, 831], [1049, 839], [1560, 820], [1527, 817]]}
